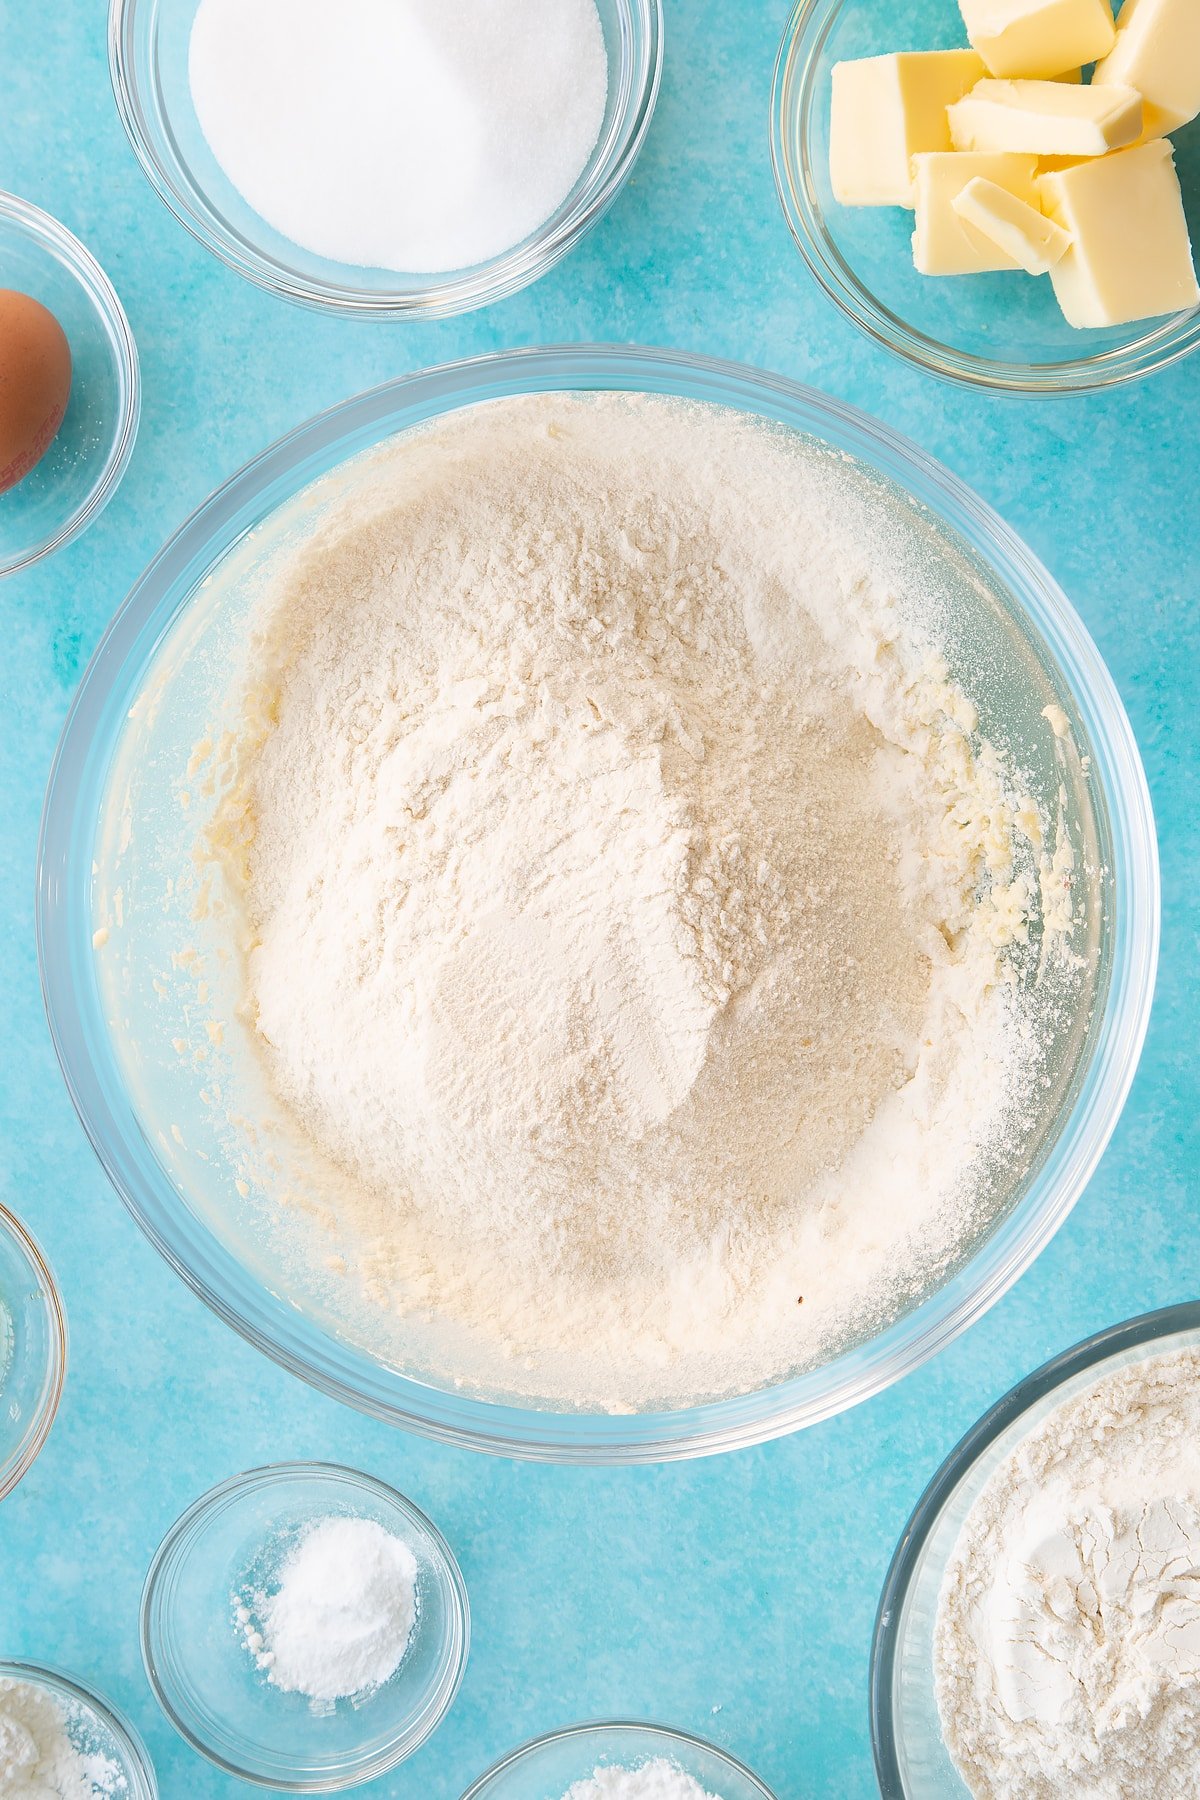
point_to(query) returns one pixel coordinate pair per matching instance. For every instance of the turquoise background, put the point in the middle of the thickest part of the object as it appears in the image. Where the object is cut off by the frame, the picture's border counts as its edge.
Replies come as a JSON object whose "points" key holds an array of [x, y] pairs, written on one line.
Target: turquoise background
{"points": [[733, 1597]]}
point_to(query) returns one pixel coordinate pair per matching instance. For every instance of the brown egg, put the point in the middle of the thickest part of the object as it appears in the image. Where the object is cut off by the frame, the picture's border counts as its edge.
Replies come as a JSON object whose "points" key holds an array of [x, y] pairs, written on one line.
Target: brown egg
{"points": [[35, 383]]}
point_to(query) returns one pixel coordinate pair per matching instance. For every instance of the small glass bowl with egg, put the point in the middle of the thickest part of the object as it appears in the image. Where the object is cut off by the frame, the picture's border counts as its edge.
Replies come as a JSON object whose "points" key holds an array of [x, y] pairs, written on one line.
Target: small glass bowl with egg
{"points": [[553, 1765], [149, 44], [79, 470], [1002, 331], [232, 1543], [33, 1351], [912, 1761]]}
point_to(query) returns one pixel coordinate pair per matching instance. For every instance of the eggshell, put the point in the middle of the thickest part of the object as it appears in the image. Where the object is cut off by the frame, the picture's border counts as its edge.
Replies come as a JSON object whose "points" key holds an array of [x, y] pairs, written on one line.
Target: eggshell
{"points": [[35, 383]]}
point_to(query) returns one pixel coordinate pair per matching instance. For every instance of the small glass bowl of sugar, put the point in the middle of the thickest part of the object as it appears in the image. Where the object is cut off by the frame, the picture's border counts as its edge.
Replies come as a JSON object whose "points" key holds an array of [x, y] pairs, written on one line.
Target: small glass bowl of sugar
{"points": [[354, 140], [305, 1627]]}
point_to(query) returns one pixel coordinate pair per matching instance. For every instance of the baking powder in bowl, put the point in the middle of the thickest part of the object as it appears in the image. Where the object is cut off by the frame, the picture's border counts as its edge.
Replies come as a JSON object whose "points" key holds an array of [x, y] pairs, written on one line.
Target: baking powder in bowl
{"points": [[1068, 1636], [654, 1780], [415, 135], [338, 1617], [631, 912]]}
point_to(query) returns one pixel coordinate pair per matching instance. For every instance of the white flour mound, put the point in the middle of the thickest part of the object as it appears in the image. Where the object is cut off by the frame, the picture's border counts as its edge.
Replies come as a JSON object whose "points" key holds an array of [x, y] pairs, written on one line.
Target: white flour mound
{"points": [[1068, 1635], [39, 1759], [629, 899], [656, 1780]]}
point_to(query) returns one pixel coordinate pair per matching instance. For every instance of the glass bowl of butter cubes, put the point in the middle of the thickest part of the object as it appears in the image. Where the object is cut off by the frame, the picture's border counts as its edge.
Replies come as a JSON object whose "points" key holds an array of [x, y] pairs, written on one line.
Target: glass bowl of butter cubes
{"points": [[1003, 192]]}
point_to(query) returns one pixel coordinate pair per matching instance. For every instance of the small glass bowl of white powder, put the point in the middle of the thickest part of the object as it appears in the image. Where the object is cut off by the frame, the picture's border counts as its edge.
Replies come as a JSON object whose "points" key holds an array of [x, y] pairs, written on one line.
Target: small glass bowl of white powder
{"points": [[59, 1737], [618, 1761], [305, 1627], [1039, 1631], [33, 1351], [408, 160]]}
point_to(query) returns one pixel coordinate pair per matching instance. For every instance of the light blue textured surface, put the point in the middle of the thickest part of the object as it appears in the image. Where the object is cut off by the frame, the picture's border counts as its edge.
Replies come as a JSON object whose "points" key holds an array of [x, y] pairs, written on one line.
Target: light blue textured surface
{"points": [[733, 1597]]}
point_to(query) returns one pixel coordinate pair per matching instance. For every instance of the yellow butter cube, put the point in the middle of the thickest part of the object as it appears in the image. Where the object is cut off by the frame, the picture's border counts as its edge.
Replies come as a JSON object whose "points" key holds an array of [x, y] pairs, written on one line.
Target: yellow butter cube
{"points": [[1046, 118], [1158, 52], [944, 243], [1038, 37], [1130, 257], [1035, 242], [886, 109]]}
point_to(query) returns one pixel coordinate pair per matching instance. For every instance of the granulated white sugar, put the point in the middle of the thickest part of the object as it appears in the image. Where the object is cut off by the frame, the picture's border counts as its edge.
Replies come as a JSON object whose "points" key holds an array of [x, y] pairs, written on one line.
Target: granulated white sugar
{"points": [[416, 135]]}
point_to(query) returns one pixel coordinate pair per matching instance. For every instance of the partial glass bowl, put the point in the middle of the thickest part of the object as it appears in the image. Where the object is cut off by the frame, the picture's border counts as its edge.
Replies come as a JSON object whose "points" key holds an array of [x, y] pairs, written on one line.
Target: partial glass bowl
{"points": [[547, 1767], [81, 470], [33, 1351], [232, 1540], [115, 834], [148, 59], [94, 1726], [1003, 331], [911, 1759]]}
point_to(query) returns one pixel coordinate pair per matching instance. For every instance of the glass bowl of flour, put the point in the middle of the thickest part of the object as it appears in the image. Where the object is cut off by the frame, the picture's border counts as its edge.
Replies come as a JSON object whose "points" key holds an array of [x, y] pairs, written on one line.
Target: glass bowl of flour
{"points": [[598, 904], [57, 1736], [1038, 1628], [618, 1761], [408, 161]]}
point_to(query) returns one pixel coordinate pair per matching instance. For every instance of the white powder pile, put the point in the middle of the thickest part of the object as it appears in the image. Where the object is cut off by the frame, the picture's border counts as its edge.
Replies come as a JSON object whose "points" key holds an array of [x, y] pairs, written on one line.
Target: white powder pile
{"points": [[630, 903], [1068, 1634], [656, 1780], [339, 1619], [40, 1757], [416, 135]]}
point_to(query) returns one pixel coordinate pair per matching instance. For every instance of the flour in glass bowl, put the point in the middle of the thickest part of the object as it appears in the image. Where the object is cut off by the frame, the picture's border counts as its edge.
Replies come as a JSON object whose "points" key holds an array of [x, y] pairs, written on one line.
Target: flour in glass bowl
{"points": [[1067, 1644], [635, 925], [42, 1754]]}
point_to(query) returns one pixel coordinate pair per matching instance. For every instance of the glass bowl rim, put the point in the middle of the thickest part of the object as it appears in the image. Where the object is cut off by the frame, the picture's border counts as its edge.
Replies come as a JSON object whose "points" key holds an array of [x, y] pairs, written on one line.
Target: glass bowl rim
{"points": [[452, 293], [126, 1734], [586, 1728], [43, 227], [1023, 1397], [33, 1440], [732, 1421], [456, 1647], [792, 92]]}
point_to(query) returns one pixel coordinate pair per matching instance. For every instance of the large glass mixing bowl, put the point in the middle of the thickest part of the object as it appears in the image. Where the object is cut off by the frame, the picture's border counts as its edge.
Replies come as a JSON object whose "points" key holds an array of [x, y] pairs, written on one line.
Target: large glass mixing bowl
{"points": [[117, 829]]}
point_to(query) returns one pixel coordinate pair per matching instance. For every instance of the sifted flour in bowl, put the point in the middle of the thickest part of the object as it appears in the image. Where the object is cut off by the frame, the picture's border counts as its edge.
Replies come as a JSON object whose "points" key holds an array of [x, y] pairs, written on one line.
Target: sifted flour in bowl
{"points": [[636, 926], [1067, 1645]]}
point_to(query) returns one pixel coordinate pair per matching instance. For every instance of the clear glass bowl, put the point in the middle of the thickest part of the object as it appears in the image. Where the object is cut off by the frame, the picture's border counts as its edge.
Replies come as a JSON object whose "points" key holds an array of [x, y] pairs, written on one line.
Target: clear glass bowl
{"points": [[94, 1726], [33, 1351], [205, 1680], [113, 829], [911, 1760], [81, 470], [1002, 331], [148, 59], [548, 1767]]}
